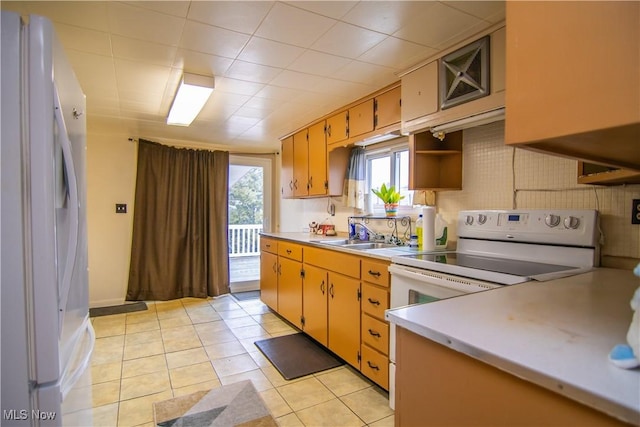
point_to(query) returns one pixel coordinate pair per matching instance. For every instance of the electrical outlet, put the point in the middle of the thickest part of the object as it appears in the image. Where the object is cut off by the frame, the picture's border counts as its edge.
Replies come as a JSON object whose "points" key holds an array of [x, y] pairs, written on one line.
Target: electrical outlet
{"points": [[635, 211], [121, 208]]}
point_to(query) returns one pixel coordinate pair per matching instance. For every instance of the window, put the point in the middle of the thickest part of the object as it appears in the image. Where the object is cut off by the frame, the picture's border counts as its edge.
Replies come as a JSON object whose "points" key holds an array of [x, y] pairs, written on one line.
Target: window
{"points": [[391, 167]]}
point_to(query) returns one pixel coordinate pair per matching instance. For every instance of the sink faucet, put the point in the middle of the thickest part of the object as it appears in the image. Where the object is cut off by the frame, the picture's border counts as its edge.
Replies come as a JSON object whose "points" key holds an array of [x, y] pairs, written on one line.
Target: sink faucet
{"points": [[370, 232]]}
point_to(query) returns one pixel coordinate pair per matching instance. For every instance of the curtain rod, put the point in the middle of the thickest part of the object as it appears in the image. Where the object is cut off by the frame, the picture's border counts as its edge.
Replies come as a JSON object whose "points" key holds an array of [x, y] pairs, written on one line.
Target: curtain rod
{"points": [[232, 153]]}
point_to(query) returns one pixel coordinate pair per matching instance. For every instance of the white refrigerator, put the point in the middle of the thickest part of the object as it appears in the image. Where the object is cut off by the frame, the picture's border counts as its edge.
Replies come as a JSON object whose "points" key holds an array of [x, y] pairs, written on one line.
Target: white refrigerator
{"points": [[47, 337]]}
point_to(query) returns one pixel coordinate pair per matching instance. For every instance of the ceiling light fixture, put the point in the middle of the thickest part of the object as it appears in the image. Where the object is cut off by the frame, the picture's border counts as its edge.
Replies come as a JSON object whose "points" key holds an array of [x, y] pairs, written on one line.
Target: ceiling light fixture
{"points": [[192, 94]]}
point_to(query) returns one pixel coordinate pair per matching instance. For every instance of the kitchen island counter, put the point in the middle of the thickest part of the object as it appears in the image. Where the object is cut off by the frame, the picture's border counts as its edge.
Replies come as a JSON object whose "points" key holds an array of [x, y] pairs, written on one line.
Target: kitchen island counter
{"points": [[555, 334]]}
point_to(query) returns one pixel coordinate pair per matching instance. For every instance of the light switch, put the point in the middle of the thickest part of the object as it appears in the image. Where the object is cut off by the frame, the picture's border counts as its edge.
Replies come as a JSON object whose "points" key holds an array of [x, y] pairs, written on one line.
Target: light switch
{"points": [[121, 208]]}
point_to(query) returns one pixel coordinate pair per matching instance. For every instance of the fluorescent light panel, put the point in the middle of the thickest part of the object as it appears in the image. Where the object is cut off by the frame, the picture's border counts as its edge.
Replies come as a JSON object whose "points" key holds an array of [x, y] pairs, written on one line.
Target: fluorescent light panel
{"points": [[192, 94]]}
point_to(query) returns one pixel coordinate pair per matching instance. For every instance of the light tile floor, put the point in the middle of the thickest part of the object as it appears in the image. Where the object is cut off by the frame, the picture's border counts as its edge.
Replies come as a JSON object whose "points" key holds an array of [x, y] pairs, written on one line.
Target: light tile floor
{"points": [[182, 346]]}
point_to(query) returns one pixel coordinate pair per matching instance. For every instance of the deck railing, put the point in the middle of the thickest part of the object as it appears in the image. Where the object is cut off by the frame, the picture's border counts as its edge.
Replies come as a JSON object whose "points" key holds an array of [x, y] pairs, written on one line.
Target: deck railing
{"points": [[244, 239]]}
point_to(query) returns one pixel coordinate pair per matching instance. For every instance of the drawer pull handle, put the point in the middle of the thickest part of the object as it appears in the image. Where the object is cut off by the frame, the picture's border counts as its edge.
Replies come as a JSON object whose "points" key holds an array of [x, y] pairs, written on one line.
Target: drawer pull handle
{"points": [[322, 287], [372, 366], [331, 290], [374, 333], [375, 273], [374, 301], [288, 251]]}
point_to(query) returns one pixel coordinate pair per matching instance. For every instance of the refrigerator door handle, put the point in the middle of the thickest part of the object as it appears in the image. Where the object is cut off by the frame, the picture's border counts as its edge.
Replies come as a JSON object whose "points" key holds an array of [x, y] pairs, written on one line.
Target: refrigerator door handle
{"points": [[67, 383], [74, 213]]}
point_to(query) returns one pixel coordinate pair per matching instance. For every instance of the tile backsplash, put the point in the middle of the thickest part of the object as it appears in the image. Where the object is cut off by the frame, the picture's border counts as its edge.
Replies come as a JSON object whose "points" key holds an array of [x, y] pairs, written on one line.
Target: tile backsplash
{"points": [[496, 176]]}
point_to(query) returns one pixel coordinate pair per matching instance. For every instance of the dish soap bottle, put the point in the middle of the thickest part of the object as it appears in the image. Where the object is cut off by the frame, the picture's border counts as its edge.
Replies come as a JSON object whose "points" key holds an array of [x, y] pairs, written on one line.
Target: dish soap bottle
{"points": [[441, 232], [419, 232]]}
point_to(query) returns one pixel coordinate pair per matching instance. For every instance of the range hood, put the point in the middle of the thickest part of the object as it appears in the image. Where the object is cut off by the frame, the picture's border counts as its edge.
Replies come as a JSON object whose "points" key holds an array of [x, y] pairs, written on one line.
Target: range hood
{"points": [[468, 122]]}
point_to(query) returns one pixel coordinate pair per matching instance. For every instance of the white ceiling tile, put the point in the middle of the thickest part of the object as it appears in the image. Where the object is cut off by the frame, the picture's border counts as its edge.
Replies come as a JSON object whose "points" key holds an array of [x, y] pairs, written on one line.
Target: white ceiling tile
{"points": [[278, 93], [396, 53], [175, 8], [242, 16], [247, 71], [141, 77], [492, 11], [138, 50], [265, 105], [85, 14], [93, 70], [436, 25], [268, 52], [331, 9], [348, 40], [213, 40], [84, 39], [296, 80], [241, 87], [384, 16], [144, 24], [369, 74], [291, 25], [201, 63], [321, 64]]}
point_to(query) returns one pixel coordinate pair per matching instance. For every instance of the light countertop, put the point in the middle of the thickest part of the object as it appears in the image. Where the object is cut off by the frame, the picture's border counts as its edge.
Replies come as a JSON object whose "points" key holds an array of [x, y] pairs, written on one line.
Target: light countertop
{"points": [[556, 334]]}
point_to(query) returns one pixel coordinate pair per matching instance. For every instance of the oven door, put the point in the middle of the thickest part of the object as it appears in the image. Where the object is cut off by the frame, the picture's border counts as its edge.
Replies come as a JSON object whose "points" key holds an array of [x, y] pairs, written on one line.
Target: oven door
{"points": [[410, 285]]}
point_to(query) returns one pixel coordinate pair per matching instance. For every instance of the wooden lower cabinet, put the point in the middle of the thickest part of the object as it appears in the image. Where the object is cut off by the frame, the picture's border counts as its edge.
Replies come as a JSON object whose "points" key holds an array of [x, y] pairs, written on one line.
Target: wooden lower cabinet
{"points": [[344, 317], [290, 290], [269, 279], [437, 386], [314, 308], [375, 366]]}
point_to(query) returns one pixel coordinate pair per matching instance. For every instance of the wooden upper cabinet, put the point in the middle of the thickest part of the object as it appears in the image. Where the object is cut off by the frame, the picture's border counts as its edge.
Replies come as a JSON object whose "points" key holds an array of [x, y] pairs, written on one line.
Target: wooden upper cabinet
{"points": [[317, 180], [573, 80], [420, 92], [338, 127], [300, 163], [286, 174], [387, 108], [361, 118]]}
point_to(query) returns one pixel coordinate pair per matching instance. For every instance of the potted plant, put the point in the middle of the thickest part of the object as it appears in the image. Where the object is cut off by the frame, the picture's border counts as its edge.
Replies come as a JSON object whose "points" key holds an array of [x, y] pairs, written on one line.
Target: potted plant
{"points": [[390, 197]]}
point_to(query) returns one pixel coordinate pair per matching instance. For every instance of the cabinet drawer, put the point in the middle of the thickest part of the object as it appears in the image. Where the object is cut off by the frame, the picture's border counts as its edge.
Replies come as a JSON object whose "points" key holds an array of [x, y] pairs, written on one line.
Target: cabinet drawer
{"points": [[374, 300], [375, 271], [375, 366], [268, 245], [339, 262], [375, 333], [290, 250]]}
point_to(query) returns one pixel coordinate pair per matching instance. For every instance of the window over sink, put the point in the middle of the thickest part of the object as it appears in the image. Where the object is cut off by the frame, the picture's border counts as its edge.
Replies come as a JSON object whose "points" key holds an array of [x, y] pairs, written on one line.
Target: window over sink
{"points": [[388, 165]]}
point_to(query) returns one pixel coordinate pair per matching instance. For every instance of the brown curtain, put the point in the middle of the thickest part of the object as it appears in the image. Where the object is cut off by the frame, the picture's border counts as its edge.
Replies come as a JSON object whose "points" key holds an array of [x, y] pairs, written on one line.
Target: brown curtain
{"points": [[179, 246]]}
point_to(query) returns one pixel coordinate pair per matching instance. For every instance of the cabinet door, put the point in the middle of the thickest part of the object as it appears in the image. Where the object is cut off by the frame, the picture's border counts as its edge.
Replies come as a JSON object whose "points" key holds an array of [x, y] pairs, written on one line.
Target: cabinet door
{"points": [[361, 118], [290, 290], [269, 279], [300, 163], [338, 127], [314, 303], [318, 183], [387, 108], [574, 66], [344, 317], [420, 92], [286, 174]]}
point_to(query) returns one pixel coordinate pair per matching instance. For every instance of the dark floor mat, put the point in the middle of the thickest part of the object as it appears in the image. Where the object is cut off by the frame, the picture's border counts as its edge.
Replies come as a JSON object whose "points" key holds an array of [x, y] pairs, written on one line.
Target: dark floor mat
{"points": [[117, 309], [297, 355], [243, 296]]}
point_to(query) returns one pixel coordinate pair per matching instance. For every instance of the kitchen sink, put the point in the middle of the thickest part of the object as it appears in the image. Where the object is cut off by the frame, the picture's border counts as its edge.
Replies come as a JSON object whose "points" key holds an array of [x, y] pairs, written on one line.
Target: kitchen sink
{"points": [[367, 245]]}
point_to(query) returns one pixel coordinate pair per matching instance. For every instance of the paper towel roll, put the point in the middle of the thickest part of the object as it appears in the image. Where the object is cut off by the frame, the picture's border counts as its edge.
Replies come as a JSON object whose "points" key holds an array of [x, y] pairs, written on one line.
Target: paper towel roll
{"points": [[428, 228]]}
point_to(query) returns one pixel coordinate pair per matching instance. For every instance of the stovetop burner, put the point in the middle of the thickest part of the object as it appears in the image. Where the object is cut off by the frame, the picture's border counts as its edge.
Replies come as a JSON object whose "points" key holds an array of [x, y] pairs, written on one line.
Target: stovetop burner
{"points": [[498, 265]]}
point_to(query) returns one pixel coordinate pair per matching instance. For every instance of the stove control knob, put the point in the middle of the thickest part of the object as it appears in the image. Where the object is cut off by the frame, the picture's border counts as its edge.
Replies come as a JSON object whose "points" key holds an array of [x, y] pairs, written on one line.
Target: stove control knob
{"points": [[469, 220], [552, 220], [571, 222], [482, 218]]}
